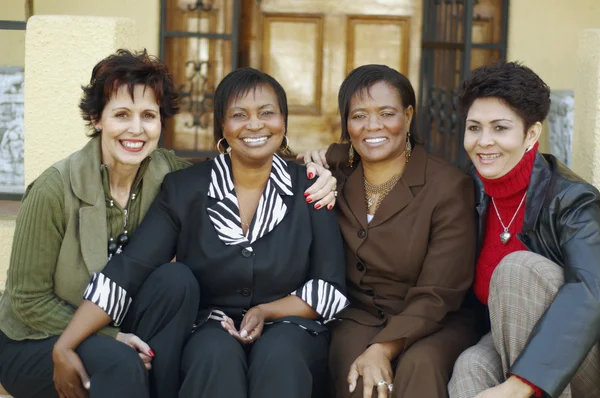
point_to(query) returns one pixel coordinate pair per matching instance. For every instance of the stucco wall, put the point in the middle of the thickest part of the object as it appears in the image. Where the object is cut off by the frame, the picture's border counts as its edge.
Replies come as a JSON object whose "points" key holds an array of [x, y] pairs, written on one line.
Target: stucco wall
{"points": [[586, 139], [146, 13], [543, 35]]}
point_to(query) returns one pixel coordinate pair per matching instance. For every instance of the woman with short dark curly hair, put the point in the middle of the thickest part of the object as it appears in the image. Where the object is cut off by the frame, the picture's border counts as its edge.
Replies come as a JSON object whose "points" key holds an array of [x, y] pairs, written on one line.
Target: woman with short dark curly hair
{"points": [[77, 213], [537, 273]]}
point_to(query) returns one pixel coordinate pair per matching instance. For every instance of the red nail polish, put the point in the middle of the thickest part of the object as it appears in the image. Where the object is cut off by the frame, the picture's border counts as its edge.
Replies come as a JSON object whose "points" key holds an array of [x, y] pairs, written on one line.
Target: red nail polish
{"points": [[317, 206], [308, 200], [306, 194], [152, 353], [310, 176], [330, 207]]}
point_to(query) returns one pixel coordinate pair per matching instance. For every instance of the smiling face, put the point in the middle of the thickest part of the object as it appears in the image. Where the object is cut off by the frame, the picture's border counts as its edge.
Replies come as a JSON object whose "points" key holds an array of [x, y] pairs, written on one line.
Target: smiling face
{"points": [[378, 123], [495, 138], [253, 125], [130, 127]]}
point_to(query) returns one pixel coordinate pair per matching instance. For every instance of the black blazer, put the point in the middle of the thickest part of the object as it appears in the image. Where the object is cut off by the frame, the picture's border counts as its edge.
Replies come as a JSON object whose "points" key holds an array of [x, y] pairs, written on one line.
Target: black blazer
{"points": [[305, 245], [562, 223]]}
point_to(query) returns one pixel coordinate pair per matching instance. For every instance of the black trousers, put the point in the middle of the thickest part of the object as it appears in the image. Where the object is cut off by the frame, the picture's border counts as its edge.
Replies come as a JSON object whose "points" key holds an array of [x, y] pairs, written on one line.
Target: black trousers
{"points": [[286, 361], [162, 314]]}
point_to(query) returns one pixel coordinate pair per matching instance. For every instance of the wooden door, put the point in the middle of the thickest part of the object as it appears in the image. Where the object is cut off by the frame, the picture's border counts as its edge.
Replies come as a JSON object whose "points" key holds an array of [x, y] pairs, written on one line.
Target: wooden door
{"points": [[310, 46]]}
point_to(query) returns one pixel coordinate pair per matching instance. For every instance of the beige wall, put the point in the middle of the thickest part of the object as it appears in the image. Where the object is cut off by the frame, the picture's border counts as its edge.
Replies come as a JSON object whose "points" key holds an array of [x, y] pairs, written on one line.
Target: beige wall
{"points": [[146, 13], [543, 35], [12, 42]]}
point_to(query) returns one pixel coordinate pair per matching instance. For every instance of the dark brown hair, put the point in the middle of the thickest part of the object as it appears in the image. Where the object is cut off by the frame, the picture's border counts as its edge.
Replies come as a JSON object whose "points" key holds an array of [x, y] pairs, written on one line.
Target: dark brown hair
{"points": [[515, 84], [130, 69]]}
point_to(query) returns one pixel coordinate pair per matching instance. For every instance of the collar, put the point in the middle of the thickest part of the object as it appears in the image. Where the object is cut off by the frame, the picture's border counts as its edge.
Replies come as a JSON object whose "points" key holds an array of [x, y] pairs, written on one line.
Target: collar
{"points": [[225, 214], [86, 173], [221, 177], [536, 191]]}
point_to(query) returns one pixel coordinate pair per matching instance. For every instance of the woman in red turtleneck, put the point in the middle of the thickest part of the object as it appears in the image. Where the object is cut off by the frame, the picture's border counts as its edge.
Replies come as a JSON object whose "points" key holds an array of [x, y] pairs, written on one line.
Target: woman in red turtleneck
{"points": [[538, 270]]}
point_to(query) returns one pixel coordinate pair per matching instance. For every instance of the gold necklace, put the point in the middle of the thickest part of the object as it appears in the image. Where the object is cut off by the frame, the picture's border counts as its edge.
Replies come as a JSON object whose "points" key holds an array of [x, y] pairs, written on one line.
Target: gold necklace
{"points": [[376, 193], [243, 218]]}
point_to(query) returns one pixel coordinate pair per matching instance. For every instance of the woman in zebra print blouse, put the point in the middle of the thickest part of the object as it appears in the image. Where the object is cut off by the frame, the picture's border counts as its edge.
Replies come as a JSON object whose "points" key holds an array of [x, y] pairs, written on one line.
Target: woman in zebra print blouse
{"points": [[270, 266]]}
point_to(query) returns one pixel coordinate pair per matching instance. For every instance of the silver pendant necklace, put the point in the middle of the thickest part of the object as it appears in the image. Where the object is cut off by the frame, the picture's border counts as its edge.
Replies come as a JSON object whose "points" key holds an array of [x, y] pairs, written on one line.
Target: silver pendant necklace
{"points": [[505, 235]]}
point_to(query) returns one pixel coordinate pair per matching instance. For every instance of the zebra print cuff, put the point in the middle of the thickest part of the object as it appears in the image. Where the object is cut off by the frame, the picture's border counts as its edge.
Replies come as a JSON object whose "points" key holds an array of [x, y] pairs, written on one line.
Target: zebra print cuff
{"points": [[323, 297], [109, 296]]}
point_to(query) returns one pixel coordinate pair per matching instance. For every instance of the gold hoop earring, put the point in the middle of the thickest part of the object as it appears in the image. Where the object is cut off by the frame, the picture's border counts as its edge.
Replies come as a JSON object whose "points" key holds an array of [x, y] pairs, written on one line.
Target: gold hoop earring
{"points": [[408, 148], [287, 144], [224, 151], [351, 155]]}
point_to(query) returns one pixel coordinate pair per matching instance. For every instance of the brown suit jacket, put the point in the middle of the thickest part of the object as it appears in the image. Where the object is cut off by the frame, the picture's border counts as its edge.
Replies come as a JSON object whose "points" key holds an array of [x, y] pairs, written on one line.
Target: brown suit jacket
{"points": [[414, 262]]}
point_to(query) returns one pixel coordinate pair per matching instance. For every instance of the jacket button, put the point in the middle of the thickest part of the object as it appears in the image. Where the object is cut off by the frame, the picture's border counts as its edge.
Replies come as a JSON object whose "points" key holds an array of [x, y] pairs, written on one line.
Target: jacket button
{"points": [[360, 267], [381, 314], [362, 234], [246, 253], [246, 292]]}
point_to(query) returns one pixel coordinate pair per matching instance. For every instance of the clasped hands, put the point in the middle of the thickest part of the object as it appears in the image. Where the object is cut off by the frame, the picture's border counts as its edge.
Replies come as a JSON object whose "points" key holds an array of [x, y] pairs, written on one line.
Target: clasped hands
{"points": [[251, 327]]}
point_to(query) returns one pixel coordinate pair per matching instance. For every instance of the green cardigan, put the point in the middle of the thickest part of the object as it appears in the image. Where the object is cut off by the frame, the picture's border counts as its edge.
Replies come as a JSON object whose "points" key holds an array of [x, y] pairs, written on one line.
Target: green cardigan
{"points": [[61, 239]]}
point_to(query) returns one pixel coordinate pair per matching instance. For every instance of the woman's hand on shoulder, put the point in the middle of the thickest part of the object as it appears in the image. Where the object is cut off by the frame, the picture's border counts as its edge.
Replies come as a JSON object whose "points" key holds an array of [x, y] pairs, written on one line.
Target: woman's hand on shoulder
{"points": [[322, 193], [70, 377], [139, 345], [375, 368], [315, 156]]}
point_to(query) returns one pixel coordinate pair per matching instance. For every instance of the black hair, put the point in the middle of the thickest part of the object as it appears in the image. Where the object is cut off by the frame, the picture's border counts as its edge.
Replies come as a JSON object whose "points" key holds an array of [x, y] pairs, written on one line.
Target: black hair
{"points": [[364, 77], [239, 83]]}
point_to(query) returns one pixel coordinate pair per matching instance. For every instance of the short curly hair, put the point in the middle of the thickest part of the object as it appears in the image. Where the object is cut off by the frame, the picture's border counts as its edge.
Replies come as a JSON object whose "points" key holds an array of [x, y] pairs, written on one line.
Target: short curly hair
{"points": [[128, 68], [515, 84]]}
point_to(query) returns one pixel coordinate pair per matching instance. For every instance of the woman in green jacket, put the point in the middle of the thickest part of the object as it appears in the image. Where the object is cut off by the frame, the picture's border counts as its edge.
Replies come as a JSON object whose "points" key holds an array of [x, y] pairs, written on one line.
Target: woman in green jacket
{"points": [[80, 212]]}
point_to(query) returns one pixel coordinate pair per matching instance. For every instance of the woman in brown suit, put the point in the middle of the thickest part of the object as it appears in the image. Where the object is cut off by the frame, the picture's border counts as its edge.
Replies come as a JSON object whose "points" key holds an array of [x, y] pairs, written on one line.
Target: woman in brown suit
{"points": [[408, 222]]}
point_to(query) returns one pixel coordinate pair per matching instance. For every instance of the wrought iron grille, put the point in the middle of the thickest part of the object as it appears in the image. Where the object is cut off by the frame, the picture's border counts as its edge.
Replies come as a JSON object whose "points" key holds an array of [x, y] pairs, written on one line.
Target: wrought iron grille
{"points": [[449, 52], [197, 91]]}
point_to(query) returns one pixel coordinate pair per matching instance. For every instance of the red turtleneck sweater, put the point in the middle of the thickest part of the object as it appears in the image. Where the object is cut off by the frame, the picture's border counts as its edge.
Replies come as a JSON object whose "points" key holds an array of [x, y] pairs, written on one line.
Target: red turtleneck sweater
{"points": [[506, 192]]}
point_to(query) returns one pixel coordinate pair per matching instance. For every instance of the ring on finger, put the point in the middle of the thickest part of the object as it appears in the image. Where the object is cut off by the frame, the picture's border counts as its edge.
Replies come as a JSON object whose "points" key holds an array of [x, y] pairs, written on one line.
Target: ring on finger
{"points": [[390, 387], [382, 383], [335, 193]]}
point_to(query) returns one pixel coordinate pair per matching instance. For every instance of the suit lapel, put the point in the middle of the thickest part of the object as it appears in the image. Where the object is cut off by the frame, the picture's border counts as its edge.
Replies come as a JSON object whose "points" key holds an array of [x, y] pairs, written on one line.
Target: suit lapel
{"points": [[401, 195], [86, 182], [92, 235], [353, 198]]}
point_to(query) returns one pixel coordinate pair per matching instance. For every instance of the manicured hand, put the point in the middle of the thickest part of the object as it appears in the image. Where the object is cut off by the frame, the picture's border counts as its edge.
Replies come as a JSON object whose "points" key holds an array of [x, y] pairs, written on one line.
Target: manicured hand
{"points": [[252, 324], [229, 327], [315, 156], [70, 377], [323, 192], [373, 365], [139, 345]]}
